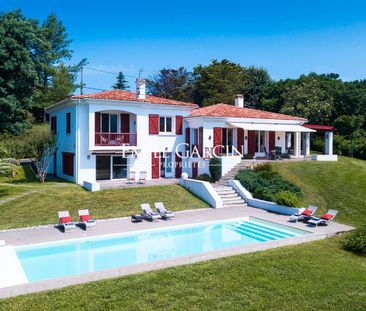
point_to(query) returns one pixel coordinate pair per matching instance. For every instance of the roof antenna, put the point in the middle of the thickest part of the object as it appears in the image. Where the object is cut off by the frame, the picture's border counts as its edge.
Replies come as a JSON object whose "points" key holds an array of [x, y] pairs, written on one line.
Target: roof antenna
{"points": [[141, 69]]}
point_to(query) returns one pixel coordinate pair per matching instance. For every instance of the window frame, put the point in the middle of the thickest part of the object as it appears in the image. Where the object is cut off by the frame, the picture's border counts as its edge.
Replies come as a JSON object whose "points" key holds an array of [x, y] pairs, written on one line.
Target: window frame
{"points": [[164, 131], [109, 122]]}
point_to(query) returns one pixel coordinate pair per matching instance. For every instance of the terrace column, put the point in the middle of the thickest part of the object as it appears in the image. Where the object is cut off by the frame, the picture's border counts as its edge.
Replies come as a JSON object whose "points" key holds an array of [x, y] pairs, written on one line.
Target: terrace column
{"points": [[307, 144], [297, 147], [328, 143], [288, 134]]}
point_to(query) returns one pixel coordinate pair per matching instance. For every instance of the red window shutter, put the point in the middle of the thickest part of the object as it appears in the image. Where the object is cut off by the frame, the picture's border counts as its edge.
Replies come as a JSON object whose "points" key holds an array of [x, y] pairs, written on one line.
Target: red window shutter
{"points": [[272, 141], [68, 123], [251, 142], [178, 125], [200, 141], [125, 127], [153, 124], [178, 165], [54, 125], [240, 140], [217, 139], [155, 165], [188, 138], [97, 122]]}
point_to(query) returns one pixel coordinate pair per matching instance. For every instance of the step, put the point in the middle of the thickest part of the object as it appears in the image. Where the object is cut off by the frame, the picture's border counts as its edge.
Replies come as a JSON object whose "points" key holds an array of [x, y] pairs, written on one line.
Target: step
{"points": [[228, 195]]}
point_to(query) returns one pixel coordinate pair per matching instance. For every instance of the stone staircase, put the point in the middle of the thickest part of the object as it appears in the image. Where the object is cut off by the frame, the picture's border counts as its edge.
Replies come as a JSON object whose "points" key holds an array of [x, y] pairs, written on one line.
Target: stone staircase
{"points": [[232, 173], [229, 196]]}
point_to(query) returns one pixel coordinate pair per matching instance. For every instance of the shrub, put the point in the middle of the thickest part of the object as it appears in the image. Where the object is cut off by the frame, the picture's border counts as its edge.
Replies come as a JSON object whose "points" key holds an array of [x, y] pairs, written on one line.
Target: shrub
{"points": [[215, 169], [263, 167], [287, 198], [204, 177], [356, 241], [264, 183]]}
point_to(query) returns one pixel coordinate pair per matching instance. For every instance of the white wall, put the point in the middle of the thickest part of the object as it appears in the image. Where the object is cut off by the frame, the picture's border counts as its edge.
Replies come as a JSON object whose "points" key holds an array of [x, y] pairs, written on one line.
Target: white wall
{"points": [[203, 190]]}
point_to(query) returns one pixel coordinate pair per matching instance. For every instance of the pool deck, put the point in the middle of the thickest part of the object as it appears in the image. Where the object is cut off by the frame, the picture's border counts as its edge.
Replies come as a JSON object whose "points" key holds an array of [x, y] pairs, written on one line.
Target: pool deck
{"points": [[120, 225]]}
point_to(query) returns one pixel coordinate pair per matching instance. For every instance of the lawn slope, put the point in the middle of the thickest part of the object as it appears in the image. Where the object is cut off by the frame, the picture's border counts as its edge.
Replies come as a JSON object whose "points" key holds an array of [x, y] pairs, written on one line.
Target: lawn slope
{"points": [[41, 207], [337, 185], [311, 276]]}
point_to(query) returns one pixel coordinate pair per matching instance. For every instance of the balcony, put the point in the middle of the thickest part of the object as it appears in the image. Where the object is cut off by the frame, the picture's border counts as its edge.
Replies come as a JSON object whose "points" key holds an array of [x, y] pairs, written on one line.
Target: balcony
{"points": [[116, 139]]}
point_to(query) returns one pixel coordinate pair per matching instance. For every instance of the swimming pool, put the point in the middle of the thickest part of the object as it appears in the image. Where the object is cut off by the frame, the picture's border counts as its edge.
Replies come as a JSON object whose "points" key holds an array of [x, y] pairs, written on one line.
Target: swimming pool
{"points": [[71, 257]]}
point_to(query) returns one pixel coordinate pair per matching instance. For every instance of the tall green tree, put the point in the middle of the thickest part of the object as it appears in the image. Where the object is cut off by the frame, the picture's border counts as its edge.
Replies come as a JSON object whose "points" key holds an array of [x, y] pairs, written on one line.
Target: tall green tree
{"points": [[19, 41], [48, 59], [220, 81], [121, 83], [171, 83]]}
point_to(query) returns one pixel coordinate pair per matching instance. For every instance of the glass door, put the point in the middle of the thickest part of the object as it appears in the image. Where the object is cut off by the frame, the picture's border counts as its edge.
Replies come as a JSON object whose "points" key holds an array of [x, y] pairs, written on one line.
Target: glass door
{"points": [[103, 167], [119, 167]]}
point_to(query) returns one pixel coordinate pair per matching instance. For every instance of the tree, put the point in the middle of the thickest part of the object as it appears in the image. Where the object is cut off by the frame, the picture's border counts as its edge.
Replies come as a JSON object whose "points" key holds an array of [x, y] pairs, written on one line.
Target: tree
{"points": [[18, 42], [122, 83], [220, 81], [171, 83], [42, 147], [48, 59], [309, 98]]}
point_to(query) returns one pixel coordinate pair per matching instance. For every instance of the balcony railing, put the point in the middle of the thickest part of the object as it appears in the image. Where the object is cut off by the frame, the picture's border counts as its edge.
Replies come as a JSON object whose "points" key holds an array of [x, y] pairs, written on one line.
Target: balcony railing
{"points": [[116, 139]]}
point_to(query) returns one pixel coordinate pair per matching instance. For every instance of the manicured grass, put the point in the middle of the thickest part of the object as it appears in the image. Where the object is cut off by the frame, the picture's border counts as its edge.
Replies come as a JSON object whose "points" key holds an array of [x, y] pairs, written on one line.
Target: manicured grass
{"points": [[312, 276], [41, 207], [337, 185]]}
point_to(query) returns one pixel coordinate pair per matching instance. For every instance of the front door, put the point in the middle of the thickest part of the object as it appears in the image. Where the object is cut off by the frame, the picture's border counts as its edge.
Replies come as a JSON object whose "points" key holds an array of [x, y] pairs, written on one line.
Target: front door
{"points": [[103, 167], [194, 170]]}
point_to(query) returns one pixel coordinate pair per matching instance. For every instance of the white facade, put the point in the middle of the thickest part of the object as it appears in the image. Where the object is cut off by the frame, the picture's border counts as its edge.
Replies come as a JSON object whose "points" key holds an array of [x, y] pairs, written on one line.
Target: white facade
{"points": [[111, 139]]}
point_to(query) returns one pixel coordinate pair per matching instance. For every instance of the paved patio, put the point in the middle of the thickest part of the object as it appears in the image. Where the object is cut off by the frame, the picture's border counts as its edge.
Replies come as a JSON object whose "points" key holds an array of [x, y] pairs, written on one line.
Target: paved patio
{"points": [[111, 226]]}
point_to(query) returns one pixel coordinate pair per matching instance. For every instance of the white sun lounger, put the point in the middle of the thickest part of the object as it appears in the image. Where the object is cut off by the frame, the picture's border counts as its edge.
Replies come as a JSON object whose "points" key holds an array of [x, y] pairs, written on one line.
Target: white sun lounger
{"points": [[323, 220], [164, 213], [86, 220], [305, 215], [148, 213], [65, 221]]}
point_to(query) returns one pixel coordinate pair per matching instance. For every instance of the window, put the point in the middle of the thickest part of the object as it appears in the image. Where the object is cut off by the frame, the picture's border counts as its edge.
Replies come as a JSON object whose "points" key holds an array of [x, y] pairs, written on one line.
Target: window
{"points": [[53, 125], [165, 124], [109, 123], [260, 141], [195, 137], [68, 123], [68, 163]]}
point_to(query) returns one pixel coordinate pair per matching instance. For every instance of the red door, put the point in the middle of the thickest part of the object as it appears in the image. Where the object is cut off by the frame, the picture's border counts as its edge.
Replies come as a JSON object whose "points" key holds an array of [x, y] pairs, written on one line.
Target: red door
{"points": [[240, 140], [125, 127], [217, 139], [194, 170], [272, 141], [251, 142], [178, 165], [155, 165]]}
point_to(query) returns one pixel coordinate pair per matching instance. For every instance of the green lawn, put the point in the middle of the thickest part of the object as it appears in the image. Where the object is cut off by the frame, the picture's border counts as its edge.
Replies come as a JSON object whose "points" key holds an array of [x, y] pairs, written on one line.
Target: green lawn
{"points": [[41, 207], [312, 276], [337, 185]]}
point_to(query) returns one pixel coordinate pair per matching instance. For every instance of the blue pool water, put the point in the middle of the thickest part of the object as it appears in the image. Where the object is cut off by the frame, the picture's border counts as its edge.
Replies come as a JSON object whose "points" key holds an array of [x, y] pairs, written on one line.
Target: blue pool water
{"points": [[58, 259]]}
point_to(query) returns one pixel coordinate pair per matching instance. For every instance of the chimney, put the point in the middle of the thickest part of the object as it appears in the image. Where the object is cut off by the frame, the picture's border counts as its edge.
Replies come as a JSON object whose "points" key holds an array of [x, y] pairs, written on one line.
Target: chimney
{"points": [[239, 100], [140, 88]]}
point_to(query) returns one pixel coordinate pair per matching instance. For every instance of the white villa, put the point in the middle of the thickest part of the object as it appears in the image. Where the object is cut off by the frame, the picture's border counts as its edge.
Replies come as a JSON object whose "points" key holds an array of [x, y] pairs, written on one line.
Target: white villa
{"points": [[113, 134]]}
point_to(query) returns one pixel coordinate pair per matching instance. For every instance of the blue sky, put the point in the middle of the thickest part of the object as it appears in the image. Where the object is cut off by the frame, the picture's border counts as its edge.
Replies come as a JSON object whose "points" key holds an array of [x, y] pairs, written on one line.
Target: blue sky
{"points": [[287, 37]]}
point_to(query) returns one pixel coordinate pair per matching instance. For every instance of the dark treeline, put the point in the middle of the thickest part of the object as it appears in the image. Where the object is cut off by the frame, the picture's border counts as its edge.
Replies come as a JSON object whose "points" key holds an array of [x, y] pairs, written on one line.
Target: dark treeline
{"points": [[33, 76], [321, 98]]}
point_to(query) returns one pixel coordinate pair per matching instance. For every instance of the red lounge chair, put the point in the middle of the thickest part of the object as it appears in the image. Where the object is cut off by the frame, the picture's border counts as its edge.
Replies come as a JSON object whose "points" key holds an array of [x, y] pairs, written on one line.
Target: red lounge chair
{"points": [[65, 221], [323, 220], [86, 219], [305, 215]]}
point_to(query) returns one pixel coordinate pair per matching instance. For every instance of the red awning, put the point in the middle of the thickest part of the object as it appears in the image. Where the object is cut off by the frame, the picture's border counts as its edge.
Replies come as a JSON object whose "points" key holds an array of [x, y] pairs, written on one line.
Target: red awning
{"points": [[320, 128]]}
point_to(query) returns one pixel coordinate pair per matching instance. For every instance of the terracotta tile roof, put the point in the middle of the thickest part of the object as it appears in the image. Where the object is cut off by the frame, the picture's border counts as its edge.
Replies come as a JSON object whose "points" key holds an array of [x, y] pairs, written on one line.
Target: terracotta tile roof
{"points": [[223, 110], [130, 96]]}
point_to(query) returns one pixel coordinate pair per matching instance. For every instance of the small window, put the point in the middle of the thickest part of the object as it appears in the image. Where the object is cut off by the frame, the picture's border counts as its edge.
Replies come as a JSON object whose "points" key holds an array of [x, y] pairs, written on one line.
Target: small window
{"points": [[68, 123], [165, 125]]}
